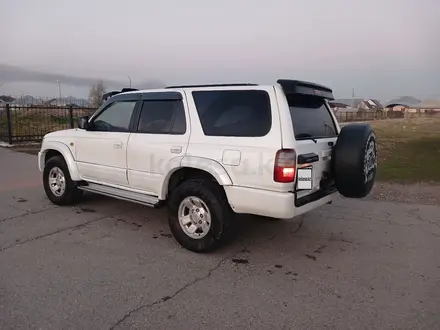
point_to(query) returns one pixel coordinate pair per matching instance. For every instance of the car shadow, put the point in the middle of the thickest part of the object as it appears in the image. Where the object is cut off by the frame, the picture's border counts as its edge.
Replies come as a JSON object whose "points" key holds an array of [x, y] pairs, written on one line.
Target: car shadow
{"points": [[248, 231]]}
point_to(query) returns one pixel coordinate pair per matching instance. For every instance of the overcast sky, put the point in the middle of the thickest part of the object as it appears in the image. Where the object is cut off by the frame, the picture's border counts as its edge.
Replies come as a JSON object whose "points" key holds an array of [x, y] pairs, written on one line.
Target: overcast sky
{"points": [[382, 48]]}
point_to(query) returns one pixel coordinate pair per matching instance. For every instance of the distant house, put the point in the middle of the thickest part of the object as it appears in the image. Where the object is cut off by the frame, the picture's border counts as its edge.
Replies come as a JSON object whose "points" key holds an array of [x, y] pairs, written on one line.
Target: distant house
{"points": [[51, 102], [370, 105], [6, 99], [337, 105], [429, 105], [402, 102], [413, 105], [356, 104]]}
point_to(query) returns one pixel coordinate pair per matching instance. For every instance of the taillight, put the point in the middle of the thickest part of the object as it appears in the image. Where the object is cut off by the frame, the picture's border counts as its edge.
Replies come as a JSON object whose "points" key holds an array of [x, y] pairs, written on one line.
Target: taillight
{"points": [[285, 166]]}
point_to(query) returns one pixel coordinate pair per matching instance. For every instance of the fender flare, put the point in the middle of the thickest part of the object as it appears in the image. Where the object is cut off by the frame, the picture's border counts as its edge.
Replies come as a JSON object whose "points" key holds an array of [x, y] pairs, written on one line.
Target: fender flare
{"points": [[64, 150], [204, 164]]}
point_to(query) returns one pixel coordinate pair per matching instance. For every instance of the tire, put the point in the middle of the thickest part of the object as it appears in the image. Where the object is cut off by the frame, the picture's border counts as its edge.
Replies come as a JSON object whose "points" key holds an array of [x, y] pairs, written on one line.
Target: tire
{"points": [[212, 197], [355, 160], [71, 194]]}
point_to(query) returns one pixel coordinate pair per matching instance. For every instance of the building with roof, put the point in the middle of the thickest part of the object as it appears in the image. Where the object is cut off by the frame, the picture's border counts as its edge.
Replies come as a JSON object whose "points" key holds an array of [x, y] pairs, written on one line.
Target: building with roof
{"points": [[6, 99], [413, 105], [356, 104], [406, 101]]}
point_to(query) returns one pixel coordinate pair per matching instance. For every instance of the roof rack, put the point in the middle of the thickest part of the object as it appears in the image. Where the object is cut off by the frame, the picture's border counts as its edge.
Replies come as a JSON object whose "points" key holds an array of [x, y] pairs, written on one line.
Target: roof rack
{"points": [[106, 96], [212, 85]]}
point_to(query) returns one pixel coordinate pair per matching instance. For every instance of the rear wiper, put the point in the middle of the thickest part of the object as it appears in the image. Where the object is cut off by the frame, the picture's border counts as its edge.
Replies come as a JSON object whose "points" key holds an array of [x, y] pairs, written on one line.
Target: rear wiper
{"points": [[305, 136]]}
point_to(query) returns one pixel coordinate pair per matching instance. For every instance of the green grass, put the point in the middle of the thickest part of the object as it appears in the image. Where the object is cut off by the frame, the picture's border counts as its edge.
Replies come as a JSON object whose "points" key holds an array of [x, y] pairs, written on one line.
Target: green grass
{"points": [[411, 161], [408, 150]]}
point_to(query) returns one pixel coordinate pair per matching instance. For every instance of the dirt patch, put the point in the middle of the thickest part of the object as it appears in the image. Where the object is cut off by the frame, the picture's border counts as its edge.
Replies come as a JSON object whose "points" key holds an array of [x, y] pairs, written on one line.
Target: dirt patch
{"points": [[240, 261], [419, 193]]}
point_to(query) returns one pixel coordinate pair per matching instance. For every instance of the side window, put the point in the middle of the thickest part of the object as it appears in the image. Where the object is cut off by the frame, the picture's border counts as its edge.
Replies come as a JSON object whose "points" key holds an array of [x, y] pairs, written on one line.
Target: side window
{"points": [[244, 113], [162, 117], [115, 118]]}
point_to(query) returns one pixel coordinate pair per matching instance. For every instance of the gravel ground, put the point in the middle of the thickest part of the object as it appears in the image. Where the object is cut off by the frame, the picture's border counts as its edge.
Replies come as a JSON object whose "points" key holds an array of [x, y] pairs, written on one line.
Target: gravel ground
{"points": [[410, 193]]}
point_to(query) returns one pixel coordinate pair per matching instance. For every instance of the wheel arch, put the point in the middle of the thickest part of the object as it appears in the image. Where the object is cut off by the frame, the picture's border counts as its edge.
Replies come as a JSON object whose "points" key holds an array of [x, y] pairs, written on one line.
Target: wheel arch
{"points": [[194, 167], [51, 149]]}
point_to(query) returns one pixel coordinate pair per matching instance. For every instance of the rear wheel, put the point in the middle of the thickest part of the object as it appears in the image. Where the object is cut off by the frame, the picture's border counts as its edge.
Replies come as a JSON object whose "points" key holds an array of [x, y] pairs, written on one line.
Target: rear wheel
{"points": [[58, 185], [199, 215]]}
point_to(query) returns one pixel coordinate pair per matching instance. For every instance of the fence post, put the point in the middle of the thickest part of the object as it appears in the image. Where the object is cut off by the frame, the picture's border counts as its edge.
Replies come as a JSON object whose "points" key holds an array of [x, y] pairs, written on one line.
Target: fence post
{"points": [[71, 116], [8, 118]]}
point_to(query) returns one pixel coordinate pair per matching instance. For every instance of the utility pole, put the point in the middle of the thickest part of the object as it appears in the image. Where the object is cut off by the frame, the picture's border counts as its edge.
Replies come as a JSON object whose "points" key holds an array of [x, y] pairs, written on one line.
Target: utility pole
{"points": [[130, 80], [59, 89]]}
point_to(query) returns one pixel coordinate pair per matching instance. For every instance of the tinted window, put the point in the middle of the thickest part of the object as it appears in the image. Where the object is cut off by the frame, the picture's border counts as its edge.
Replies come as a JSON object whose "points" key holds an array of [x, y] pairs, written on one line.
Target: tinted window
{"points": [[162, 117], [310, 117], [234, 113], [115, 118]]}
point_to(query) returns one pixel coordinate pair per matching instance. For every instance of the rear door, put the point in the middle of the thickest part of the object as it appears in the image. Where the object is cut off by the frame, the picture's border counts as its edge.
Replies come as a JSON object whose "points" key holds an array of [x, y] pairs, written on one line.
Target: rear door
{"points": [[159, 140], [315, 132]]}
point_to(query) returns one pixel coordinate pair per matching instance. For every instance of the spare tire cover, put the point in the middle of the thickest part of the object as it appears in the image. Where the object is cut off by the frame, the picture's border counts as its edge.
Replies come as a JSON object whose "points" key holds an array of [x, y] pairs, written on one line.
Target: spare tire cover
{"points": [[355, 160]]}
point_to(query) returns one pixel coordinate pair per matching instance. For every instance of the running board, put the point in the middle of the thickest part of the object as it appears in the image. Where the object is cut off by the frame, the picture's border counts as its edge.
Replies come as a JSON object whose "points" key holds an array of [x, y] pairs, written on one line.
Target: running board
{"points": [[121, 194]]}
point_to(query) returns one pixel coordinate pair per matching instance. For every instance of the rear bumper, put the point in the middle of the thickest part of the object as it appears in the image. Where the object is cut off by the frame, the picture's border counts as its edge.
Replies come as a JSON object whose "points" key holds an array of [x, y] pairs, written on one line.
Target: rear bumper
{"points": [[274, 204], [316, 196]]}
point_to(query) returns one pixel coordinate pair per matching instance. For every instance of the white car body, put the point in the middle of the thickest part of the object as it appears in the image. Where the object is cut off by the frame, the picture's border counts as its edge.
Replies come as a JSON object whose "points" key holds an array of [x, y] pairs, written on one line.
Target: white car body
{"points": [[142, 163]]}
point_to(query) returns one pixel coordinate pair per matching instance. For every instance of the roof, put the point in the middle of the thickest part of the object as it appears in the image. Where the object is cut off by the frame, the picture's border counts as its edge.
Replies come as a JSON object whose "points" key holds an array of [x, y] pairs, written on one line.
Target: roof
{"points": [[373, 104], [404, 100], [337, 105], [356, 102], [430, 103], [6, 98], [211, 85], [426, 104], [289, 86], [352, 103]]}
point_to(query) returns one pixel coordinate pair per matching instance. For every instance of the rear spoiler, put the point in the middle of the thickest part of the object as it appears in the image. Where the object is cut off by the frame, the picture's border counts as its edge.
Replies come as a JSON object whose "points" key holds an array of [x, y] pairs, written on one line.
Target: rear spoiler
{"points": [[108, 95], [305, 88]]}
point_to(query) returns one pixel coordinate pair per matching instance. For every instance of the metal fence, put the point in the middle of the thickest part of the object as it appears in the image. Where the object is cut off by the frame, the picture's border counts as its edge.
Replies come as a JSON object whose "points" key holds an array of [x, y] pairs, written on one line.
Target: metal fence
{"points": [[31, 123], [344, 116]]}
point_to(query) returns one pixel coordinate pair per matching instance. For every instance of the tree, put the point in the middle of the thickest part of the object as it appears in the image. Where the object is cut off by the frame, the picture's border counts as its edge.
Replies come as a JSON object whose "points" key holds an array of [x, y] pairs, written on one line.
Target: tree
{"points": [[96, 93]]}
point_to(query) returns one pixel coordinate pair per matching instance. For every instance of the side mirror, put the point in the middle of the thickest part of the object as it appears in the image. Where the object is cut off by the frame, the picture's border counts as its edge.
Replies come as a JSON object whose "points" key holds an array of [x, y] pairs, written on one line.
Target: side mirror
{"points": [[83, 122]]}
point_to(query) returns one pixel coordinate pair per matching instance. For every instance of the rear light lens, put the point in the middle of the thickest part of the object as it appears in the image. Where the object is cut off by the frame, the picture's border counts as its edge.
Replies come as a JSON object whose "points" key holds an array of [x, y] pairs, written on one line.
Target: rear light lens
{"points": [[285, 166]]}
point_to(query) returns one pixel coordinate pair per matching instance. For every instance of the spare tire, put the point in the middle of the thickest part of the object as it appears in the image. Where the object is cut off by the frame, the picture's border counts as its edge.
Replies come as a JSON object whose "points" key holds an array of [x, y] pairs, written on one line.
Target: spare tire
{"points": [[355, 160]]}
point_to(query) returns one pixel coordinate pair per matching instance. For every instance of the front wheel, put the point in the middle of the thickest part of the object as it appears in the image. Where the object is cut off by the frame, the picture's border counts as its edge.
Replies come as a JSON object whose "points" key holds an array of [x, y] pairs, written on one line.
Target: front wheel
{"points": [[58, 185], [199, 215]]}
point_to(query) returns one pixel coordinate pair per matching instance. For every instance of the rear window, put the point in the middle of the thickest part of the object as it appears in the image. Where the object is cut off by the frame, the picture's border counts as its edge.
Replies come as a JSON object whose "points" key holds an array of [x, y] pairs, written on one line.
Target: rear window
{"points": [[310, 117], [241, 113]]}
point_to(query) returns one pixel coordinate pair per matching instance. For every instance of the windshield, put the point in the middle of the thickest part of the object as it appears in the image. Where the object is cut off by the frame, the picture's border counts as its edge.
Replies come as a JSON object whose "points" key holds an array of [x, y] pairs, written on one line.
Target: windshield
{"points": [[311, 118]]}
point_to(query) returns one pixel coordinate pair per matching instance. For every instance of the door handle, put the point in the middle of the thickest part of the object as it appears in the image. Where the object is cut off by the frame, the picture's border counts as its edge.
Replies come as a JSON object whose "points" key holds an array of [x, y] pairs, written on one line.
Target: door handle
{"points": [[176, 150], [117, 145]]}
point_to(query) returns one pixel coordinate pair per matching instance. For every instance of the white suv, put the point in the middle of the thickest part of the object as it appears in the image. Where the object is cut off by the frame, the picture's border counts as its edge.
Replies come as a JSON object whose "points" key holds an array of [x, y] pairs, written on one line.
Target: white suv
{"points": [[212, 151]]}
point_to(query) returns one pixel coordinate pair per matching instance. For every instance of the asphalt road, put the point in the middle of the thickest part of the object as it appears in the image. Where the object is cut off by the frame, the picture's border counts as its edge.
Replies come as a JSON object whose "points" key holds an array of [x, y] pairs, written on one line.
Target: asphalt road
{"points": [[107, 264]]}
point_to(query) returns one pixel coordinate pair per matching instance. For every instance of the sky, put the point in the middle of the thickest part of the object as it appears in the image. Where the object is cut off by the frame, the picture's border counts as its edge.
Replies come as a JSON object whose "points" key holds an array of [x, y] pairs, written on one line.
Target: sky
{"points": [[381, 48]]}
